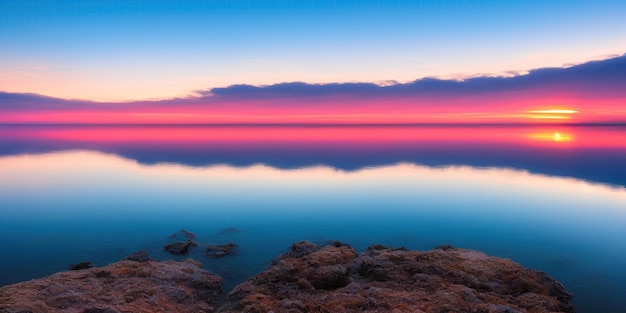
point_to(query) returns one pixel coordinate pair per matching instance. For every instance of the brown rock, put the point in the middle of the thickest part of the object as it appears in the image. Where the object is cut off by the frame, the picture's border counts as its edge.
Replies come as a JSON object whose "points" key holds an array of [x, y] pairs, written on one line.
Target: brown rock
{"points": [[125, 286], [300, 249], [336, 279], [80, 266], [139, 256]]}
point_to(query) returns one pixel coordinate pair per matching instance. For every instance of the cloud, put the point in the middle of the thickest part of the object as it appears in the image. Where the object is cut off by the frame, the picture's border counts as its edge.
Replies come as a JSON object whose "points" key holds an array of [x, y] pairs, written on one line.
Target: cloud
{"points": [[8, 98], [609, 73], [294, 89], [25, 101]]}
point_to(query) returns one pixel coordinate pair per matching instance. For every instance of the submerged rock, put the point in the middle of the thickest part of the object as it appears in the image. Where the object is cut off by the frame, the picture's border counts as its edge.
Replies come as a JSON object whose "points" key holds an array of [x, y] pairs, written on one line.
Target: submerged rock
{"points": [[179, 247], [189, 236], [336, 279], [125, 286], [228, 230], [220, 251]]}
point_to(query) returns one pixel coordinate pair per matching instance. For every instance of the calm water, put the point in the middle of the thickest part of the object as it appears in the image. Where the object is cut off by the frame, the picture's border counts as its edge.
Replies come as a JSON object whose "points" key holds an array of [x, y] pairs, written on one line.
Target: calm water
{"points": [[550, 198]]}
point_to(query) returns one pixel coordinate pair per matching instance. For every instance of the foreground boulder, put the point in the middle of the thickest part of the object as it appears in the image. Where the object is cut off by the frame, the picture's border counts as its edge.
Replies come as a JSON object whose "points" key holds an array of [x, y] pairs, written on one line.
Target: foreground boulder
{"points": [[336, 279], [125, 286]]}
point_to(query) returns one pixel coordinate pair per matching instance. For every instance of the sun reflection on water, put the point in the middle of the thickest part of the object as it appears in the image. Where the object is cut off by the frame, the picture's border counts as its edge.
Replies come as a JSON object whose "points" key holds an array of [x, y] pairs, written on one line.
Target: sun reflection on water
{"points": [[556, 136]]}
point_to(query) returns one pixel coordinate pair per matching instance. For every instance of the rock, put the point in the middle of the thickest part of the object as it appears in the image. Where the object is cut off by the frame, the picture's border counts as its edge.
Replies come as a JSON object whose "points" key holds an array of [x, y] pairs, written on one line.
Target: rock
{"points": [[337, 279], [333, 278], [300, 249], [228, 230], [15, 310], [444, 247], [127, 286], [189, 236], [220, 251], [100, 310], [139, 256], [80, 266], [194, 262], [179, 247]]}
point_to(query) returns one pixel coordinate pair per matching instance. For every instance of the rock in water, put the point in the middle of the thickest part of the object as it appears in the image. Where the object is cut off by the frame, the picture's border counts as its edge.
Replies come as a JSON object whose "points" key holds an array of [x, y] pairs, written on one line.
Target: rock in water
{"points": [[336, 279], [179, 247], [80, 266], [183, 233], [139, 256], [220, 251], [125, 286], [228, 230], [300, 249]]}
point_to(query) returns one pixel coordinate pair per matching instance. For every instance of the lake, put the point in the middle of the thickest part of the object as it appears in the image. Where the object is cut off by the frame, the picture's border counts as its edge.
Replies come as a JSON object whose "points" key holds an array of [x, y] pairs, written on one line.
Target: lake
{"points": [[552, 198]]}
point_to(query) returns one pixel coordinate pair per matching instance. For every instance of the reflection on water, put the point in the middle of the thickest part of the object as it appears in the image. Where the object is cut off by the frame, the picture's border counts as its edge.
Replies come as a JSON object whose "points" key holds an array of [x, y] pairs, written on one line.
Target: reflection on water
{"points": [[557, 137], [70, 194], [590, 153]]}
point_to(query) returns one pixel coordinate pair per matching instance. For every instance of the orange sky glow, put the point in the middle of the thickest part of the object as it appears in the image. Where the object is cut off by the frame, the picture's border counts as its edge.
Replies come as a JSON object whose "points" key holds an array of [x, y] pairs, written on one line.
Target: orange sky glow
{"points": [[332, 111], [585, 94]]}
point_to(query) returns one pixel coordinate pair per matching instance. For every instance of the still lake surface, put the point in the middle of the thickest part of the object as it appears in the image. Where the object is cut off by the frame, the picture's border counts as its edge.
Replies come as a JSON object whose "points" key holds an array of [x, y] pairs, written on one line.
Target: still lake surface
{"points": [[552, 198]]}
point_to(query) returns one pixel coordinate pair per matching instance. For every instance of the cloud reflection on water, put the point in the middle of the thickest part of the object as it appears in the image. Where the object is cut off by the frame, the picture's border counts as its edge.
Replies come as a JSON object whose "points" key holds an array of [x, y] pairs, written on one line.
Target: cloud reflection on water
{"points": [[72, 205], [589, 153]]}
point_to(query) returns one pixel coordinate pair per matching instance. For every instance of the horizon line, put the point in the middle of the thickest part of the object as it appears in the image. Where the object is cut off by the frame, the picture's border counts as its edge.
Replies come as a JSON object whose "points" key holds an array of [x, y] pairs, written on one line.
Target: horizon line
{"points": [[591, 124]]}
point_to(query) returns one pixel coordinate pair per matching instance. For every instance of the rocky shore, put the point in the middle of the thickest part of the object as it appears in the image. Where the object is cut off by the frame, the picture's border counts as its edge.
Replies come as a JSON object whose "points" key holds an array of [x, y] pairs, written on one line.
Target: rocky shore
{"points": [[308, 278]]}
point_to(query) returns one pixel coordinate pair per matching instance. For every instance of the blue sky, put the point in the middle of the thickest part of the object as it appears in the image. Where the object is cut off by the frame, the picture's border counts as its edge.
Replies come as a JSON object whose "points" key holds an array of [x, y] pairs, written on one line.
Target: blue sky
{"points": [[129, 50]]}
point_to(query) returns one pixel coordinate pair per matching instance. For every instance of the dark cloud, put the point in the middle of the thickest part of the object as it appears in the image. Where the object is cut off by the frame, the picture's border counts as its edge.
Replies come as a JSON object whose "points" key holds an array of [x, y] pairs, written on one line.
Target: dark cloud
{"points": [[605, 74], [7, 98], [295, 89], [25, 101]]}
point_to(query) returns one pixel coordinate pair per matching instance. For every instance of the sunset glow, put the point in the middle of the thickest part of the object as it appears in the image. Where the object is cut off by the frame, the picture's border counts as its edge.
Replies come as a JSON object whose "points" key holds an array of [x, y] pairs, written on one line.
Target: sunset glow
{"points": [[329, 127], [171, 137], [276, 64], [554, 111], [552, 114], [514, 100]]}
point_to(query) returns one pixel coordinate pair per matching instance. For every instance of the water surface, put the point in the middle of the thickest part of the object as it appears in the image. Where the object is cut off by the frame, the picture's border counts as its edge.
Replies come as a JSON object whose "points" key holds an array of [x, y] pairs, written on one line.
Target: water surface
{"points": [[552, 199]]}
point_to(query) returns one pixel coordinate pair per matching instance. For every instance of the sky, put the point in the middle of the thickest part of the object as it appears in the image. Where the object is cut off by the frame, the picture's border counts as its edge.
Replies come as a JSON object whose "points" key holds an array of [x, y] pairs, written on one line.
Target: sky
{"points": [[134, 51]]}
